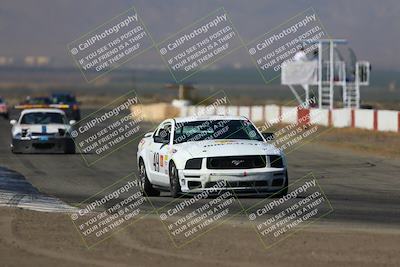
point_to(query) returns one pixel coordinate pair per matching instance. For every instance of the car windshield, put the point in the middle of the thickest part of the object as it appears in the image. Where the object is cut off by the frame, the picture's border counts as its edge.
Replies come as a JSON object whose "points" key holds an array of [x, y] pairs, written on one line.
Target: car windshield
{"points": [[57, 99], [38, 101], [215, 129], [43, 118]]}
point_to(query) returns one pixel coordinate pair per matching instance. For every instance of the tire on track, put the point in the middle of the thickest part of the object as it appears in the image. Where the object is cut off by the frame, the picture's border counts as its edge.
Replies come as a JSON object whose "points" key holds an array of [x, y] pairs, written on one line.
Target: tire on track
{"points": [[145, 186], [284, 191], [174, 185]]}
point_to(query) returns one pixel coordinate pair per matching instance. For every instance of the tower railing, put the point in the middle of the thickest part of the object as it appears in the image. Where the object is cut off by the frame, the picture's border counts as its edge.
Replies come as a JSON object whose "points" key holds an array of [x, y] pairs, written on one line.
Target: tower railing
{"points": [[327, 74]]}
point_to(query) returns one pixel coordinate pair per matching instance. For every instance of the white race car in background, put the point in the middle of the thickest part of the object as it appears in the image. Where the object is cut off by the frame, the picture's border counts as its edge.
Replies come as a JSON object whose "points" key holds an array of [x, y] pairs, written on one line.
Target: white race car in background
{"points": [[189, 155], [42, 131]]}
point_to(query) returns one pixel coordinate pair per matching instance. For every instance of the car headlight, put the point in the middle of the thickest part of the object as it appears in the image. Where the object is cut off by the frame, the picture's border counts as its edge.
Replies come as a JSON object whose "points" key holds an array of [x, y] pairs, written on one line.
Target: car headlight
{"points": [[276, 161], [193, 164]]}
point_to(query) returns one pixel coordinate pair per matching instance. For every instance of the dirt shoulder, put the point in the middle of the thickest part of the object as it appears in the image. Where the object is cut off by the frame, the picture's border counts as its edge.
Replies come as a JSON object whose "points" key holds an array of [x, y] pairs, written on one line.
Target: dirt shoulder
{"points": [[363, 141], [358, 140], [48, 239]]}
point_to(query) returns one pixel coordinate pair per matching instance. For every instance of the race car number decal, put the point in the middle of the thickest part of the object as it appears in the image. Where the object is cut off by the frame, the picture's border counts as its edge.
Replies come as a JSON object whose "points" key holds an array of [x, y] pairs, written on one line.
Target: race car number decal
{"points": [[158, 161]]}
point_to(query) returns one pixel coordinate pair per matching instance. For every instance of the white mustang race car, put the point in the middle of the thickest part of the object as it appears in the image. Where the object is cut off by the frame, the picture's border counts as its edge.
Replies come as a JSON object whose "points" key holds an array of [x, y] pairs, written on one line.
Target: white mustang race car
{"points": [[41, 131], [189, 155]]}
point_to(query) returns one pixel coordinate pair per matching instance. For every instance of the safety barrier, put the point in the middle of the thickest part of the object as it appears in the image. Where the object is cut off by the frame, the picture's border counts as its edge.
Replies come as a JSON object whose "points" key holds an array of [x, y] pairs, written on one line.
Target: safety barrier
{"points": [[378, 120]]}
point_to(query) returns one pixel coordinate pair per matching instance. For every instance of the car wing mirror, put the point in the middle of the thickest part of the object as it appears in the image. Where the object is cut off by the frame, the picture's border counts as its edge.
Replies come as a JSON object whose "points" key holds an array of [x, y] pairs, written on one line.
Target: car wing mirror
{"points": [[162, 137], [12, 122], [72, 122], [159, 139], [148, 134]]}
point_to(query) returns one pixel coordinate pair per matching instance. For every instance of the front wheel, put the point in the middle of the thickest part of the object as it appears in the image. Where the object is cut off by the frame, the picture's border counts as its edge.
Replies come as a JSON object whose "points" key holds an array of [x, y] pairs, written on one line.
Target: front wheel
{"points": [[145, 186], [285, 189], [69, 147], [15, 147], [174, 185]]}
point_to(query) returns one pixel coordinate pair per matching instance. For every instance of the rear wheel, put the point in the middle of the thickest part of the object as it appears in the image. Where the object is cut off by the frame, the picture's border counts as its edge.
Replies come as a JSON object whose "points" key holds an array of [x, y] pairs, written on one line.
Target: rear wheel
{"points": [[145, 185], [174, 185]]}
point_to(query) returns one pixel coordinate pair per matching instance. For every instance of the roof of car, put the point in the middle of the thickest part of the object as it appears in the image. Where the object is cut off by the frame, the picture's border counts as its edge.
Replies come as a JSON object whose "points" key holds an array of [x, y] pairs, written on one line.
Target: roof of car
{"points": [[62, 94], [33, 110], [35, 99], [39, 97], [210, 117]]}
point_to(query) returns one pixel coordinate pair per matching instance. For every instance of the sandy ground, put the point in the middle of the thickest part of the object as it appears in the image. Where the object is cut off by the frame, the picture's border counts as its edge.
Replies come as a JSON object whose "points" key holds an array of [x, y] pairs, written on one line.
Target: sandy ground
{"points": [[356, 140], [47, 239], [362, 141]]}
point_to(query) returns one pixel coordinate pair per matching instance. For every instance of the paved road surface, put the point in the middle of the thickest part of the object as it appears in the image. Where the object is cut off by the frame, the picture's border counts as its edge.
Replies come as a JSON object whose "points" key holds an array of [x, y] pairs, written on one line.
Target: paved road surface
{"points": [[363, 189]]}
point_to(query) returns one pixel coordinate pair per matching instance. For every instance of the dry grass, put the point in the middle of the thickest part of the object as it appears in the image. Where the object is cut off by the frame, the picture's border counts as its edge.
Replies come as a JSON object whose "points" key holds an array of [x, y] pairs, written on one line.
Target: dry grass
{"points": [[382, 143], [363, 141]]}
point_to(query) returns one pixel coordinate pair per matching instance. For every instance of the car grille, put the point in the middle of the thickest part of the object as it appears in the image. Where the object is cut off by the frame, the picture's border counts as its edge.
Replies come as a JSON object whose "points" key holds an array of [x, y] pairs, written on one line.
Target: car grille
{"points": [[235, 184], [275, 161], [277, 182], [236, 162], [43, 145], [42, 134]]}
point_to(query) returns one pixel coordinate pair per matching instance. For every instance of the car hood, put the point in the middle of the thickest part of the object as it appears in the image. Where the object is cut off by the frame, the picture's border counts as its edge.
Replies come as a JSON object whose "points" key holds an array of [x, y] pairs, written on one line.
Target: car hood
{"points": [[216, 148]]}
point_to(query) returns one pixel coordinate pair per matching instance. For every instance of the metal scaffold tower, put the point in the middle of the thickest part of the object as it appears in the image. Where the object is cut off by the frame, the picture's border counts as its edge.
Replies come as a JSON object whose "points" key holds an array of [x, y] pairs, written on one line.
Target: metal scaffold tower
{"points": [[327, 72]]}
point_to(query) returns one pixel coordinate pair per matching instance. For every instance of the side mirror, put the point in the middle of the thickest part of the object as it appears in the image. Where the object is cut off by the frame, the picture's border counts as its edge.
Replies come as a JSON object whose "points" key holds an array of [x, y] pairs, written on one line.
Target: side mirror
{"points": [[148, 134], [159, 139], [162, 137], [72, 122], [268, 136], [12, 122]]}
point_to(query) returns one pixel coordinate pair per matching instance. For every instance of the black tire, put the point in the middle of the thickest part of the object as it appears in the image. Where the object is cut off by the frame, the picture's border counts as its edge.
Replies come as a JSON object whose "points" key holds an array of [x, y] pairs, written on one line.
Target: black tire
{"points": [[77, 116], [145, 186], [14, 143], [174, 185], [69, 147], [284, 191]]}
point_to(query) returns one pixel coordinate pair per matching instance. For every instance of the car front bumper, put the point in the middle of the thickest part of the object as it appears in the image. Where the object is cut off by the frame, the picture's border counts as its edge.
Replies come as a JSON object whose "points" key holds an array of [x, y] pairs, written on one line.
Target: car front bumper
{"points": [[52, 145], [249, 180]]}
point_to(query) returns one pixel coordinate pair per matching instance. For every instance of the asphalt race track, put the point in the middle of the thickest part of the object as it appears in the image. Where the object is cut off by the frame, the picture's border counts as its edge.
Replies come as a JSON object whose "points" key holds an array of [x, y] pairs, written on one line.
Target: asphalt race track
{"points": [[362, 189]]}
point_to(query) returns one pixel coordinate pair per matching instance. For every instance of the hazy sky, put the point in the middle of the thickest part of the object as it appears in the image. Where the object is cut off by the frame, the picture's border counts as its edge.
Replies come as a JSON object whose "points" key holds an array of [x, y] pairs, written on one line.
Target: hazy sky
{"points": [[44, 27]]}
